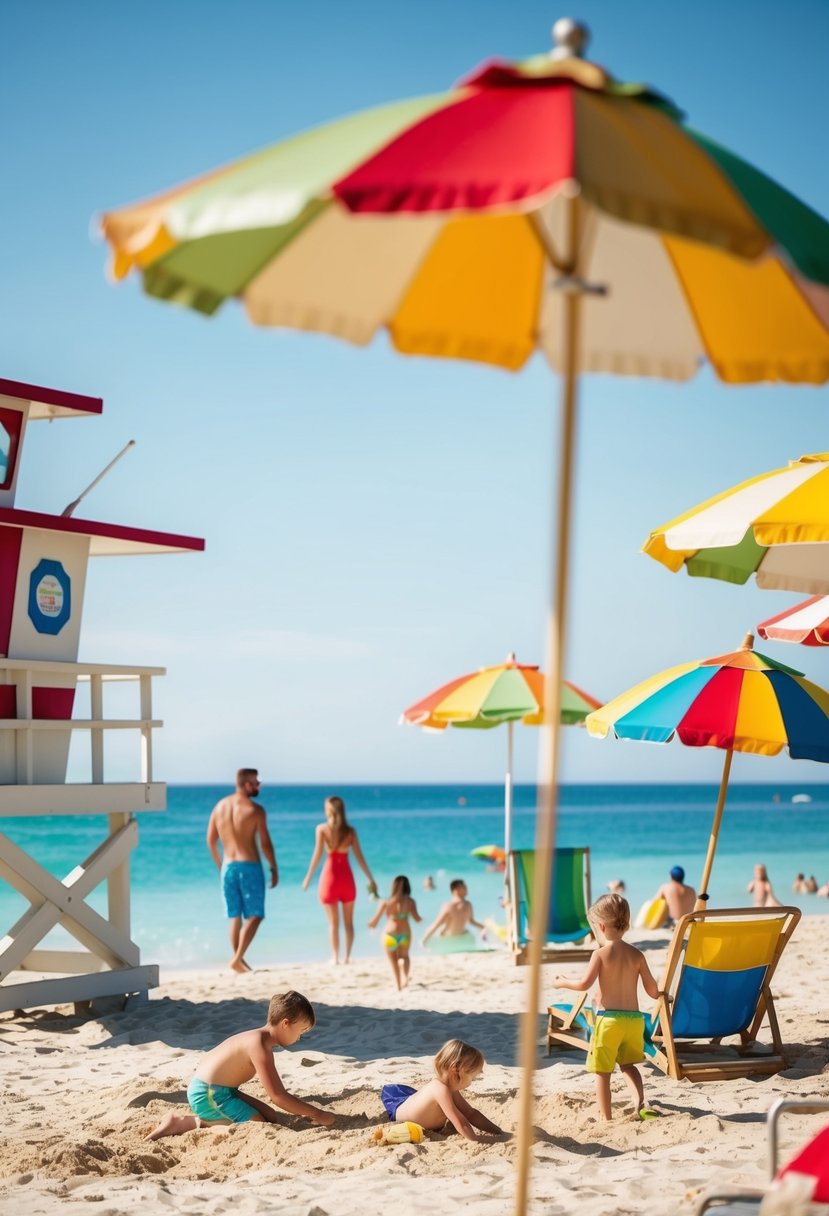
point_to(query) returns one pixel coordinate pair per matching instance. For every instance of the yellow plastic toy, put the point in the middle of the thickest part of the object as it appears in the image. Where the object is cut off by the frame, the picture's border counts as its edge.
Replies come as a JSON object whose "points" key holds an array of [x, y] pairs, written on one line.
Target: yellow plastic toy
{"points": [[398, 1133]]}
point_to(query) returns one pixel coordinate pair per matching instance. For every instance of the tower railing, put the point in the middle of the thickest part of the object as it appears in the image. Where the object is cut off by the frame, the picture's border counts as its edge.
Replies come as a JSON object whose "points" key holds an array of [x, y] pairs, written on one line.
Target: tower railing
{"points": [[69, 699]]}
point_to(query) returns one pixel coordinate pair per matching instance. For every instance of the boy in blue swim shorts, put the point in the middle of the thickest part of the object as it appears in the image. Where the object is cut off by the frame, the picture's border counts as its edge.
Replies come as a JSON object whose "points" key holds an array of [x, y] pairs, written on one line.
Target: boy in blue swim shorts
{"points": [[214, 1094], [619, 1033]]}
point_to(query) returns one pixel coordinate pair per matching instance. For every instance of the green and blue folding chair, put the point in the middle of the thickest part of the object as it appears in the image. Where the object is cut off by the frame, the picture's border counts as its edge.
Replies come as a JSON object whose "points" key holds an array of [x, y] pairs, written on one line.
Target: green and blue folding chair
{"points": [[568, 936]]}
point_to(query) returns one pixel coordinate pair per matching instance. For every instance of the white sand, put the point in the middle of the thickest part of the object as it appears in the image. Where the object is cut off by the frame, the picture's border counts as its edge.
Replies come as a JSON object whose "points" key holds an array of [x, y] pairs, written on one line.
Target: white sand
{"points": [[78, 1094]]}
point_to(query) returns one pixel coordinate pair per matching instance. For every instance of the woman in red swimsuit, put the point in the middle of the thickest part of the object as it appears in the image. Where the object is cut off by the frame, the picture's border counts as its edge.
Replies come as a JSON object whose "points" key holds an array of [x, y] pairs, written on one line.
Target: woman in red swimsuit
{"points": [[335, 837]]}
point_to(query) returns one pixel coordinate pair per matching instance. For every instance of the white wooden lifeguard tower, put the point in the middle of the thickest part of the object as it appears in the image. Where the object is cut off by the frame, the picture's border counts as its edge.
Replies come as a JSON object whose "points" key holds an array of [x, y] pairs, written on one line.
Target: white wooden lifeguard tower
{"points": [[43, 561]]}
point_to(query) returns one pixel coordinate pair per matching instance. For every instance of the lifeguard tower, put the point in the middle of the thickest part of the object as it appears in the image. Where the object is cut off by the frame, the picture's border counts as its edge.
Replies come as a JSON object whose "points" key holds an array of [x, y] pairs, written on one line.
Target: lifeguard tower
{"points": [[43, 563]]}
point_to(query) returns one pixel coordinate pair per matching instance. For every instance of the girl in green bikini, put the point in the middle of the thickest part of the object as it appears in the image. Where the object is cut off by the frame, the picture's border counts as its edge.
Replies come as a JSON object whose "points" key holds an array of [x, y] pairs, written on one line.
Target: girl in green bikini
{"points": [[398, 909]]}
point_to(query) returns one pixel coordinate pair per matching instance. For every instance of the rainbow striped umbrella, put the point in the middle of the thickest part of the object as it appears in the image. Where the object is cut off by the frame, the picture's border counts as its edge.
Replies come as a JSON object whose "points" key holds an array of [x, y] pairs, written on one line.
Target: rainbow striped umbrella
{"points": [[742, 702], [806, 623], [774, 526], [511, 692]]}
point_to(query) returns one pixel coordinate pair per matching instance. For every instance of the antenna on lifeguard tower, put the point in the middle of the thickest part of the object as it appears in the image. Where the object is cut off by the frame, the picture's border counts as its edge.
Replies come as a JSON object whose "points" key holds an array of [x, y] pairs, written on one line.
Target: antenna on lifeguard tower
{"points": [[70, 509]]}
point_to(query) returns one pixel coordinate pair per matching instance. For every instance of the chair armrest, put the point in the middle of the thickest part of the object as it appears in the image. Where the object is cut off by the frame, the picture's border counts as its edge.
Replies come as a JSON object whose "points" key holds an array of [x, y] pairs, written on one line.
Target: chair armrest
{"points": [[730, 1203], [575, 1010]]}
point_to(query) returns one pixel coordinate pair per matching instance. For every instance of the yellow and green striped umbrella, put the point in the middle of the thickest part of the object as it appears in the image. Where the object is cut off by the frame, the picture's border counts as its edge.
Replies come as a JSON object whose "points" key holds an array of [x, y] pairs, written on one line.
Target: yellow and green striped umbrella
{"points": [[774, 526]]}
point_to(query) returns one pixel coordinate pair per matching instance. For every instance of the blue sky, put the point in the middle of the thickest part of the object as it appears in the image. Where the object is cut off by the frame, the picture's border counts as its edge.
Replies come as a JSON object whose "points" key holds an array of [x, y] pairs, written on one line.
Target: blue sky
{"points": [[375, 525]]}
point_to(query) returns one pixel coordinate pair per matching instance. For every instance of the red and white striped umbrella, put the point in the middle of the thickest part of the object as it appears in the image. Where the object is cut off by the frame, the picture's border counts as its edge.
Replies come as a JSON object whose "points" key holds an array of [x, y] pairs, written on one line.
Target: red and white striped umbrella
{"points": [[807, 623]]}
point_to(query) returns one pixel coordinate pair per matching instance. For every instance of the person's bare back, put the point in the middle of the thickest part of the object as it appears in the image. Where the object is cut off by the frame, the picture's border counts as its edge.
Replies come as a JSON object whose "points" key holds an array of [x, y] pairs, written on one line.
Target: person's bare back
{"points": [[458, 914], [237, 820], [679, 897], [232, 1063], [620, 967], [431, 1106]]}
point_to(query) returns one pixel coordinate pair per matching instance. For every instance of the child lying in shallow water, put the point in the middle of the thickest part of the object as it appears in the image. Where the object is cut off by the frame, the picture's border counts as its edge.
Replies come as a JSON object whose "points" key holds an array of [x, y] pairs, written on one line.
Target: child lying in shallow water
{"points": [[457, 1064]]}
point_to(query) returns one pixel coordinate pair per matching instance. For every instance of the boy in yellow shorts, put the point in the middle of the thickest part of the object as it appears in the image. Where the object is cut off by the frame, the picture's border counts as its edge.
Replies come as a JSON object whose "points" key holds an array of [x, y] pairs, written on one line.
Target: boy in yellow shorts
{"points": [[619, 1033]]}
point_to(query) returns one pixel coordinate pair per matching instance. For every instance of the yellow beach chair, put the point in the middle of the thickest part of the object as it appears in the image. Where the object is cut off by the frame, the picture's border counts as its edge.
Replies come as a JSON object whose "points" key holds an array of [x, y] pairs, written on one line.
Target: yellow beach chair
{"points": [[717, 986], [568, 936]]}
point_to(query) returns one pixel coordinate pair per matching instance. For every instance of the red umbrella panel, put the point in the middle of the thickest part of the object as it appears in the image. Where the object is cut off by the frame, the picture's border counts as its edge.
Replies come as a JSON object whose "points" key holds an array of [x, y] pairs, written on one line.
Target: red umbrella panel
{"points": [[806, 624]]}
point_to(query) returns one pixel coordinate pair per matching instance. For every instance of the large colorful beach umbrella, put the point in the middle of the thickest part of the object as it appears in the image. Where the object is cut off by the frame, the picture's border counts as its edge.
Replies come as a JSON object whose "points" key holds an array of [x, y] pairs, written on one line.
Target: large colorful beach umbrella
{"points": [[774, 526], [807, 624], [525, 183], [539, 205], [740, 702], [509, 693]]}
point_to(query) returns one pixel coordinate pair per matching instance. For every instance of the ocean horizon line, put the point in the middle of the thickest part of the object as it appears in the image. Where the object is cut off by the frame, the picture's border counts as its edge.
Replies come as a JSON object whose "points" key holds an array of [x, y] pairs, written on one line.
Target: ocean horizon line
{"points": [[461, 784]]}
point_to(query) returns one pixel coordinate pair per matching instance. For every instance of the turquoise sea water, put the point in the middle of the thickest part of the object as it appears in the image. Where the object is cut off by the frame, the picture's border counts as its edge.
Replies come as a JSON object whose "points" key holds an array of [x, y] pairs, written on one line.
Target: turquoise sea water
{"points": [[635, 832]]}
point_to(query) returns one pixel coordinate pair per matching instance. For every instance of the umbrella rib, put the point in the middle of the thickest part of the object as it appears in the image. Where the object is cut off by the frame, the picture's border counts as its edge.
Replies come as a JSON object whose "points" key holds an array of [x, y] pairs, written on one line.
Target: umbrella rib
{"points": [[546, 242]]}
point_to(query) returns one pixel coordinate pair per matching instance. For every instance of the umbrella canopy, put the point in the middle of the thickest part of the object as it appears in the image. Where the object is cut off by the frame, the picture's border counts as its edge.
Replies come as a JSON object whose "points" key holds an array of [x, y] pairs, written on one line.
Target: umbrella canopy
{"points": [[491, 853], [706, 256], [511, 692], [741, 701], [774, 526], [806, 623]]}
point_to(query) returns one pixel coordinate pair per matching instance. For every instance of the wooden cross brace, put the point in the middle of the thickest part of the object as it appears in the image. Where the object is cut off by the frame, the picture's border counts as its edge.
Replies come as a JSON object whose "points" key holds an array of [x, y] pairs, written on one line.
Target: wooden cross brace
{"points": [[54, 902]]}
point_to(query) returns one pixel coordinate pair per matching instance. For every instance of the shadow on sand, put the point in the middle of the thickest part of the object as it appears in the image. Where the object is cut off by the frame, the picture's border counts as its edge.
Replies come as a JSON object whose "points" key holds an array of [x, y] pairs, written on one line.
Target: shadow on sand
{"points": [[389, 1033]]}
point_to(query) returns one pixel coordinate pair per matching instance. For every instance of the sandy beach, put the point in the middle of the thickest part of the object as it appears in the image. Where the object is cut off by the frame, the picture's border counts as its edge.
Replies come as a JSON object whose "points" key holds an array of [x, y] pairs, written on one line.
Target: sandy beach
{"points": [[80, 1092]]}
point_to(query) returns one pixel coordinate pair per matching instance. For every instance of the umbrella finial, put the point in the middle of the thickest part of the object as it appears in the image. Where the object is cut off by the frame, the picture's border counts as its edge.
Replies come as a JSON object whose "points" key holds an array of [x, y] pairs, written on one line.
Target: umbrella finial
{"points": [[511, 659], [748, 642], [570, 37]]}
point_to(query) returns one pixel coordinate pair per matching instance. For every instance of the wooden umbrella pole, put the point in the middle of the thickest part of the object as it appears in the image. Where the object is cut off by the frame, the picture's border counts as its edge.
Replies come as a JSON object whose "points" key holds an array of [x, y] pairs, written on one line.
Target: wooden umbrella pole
{"points": [[702, 897], [508, 796], [548, 765]]}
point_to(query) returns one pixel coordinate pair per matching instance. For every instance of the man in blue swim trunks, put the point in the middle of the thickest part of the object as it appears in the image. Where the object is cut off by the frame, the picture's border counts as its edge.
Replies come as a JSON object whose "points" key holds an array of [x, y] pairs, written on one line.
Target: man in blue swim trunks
{"points": [[239, 825]]}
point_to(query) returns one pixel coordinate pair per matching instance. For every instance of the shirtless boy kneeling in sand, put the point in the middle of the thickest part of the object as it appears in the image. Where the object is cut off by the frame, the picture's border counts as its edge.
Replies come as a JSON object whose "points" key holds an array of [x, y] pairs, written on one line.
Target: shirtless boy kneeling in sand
{"points": [[213, 1093]]}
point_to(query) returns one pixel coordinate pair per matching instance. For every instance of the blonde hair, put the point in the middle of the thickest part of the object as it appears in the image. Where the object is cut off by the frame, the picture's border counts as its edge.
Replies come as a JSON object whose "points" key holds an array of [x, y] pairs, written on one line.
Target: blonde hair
{"points": [[340, 827], [457, 1056], [612, 910], [291, 1005]]}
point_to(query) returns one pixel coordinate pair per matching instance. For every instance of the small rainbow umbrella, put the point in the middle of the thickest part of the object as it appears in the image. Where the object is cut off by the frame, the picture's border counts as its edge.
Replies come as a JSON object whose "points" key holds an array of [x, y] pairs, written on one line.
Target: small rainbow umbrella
{"points": [[743, 702], [807, 623], [512, 692], [774, 526], [492, 853]]}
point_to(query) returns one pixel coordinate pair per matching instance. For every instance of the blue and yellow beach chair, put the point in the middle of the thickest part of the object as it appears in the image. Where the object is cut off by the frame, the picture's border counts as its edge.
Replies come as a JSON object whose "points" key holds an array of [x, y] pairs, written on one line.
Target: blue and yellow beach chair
{"points": [[717, 986], [568, 936]]}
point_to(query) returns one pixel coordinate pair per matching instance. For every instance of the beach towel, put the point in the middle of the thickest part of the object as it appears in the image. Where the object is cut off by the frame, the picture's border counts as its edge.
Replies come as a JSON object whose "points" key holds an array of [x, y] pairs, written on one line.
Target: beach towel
{"points": [[393, 1096]]}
